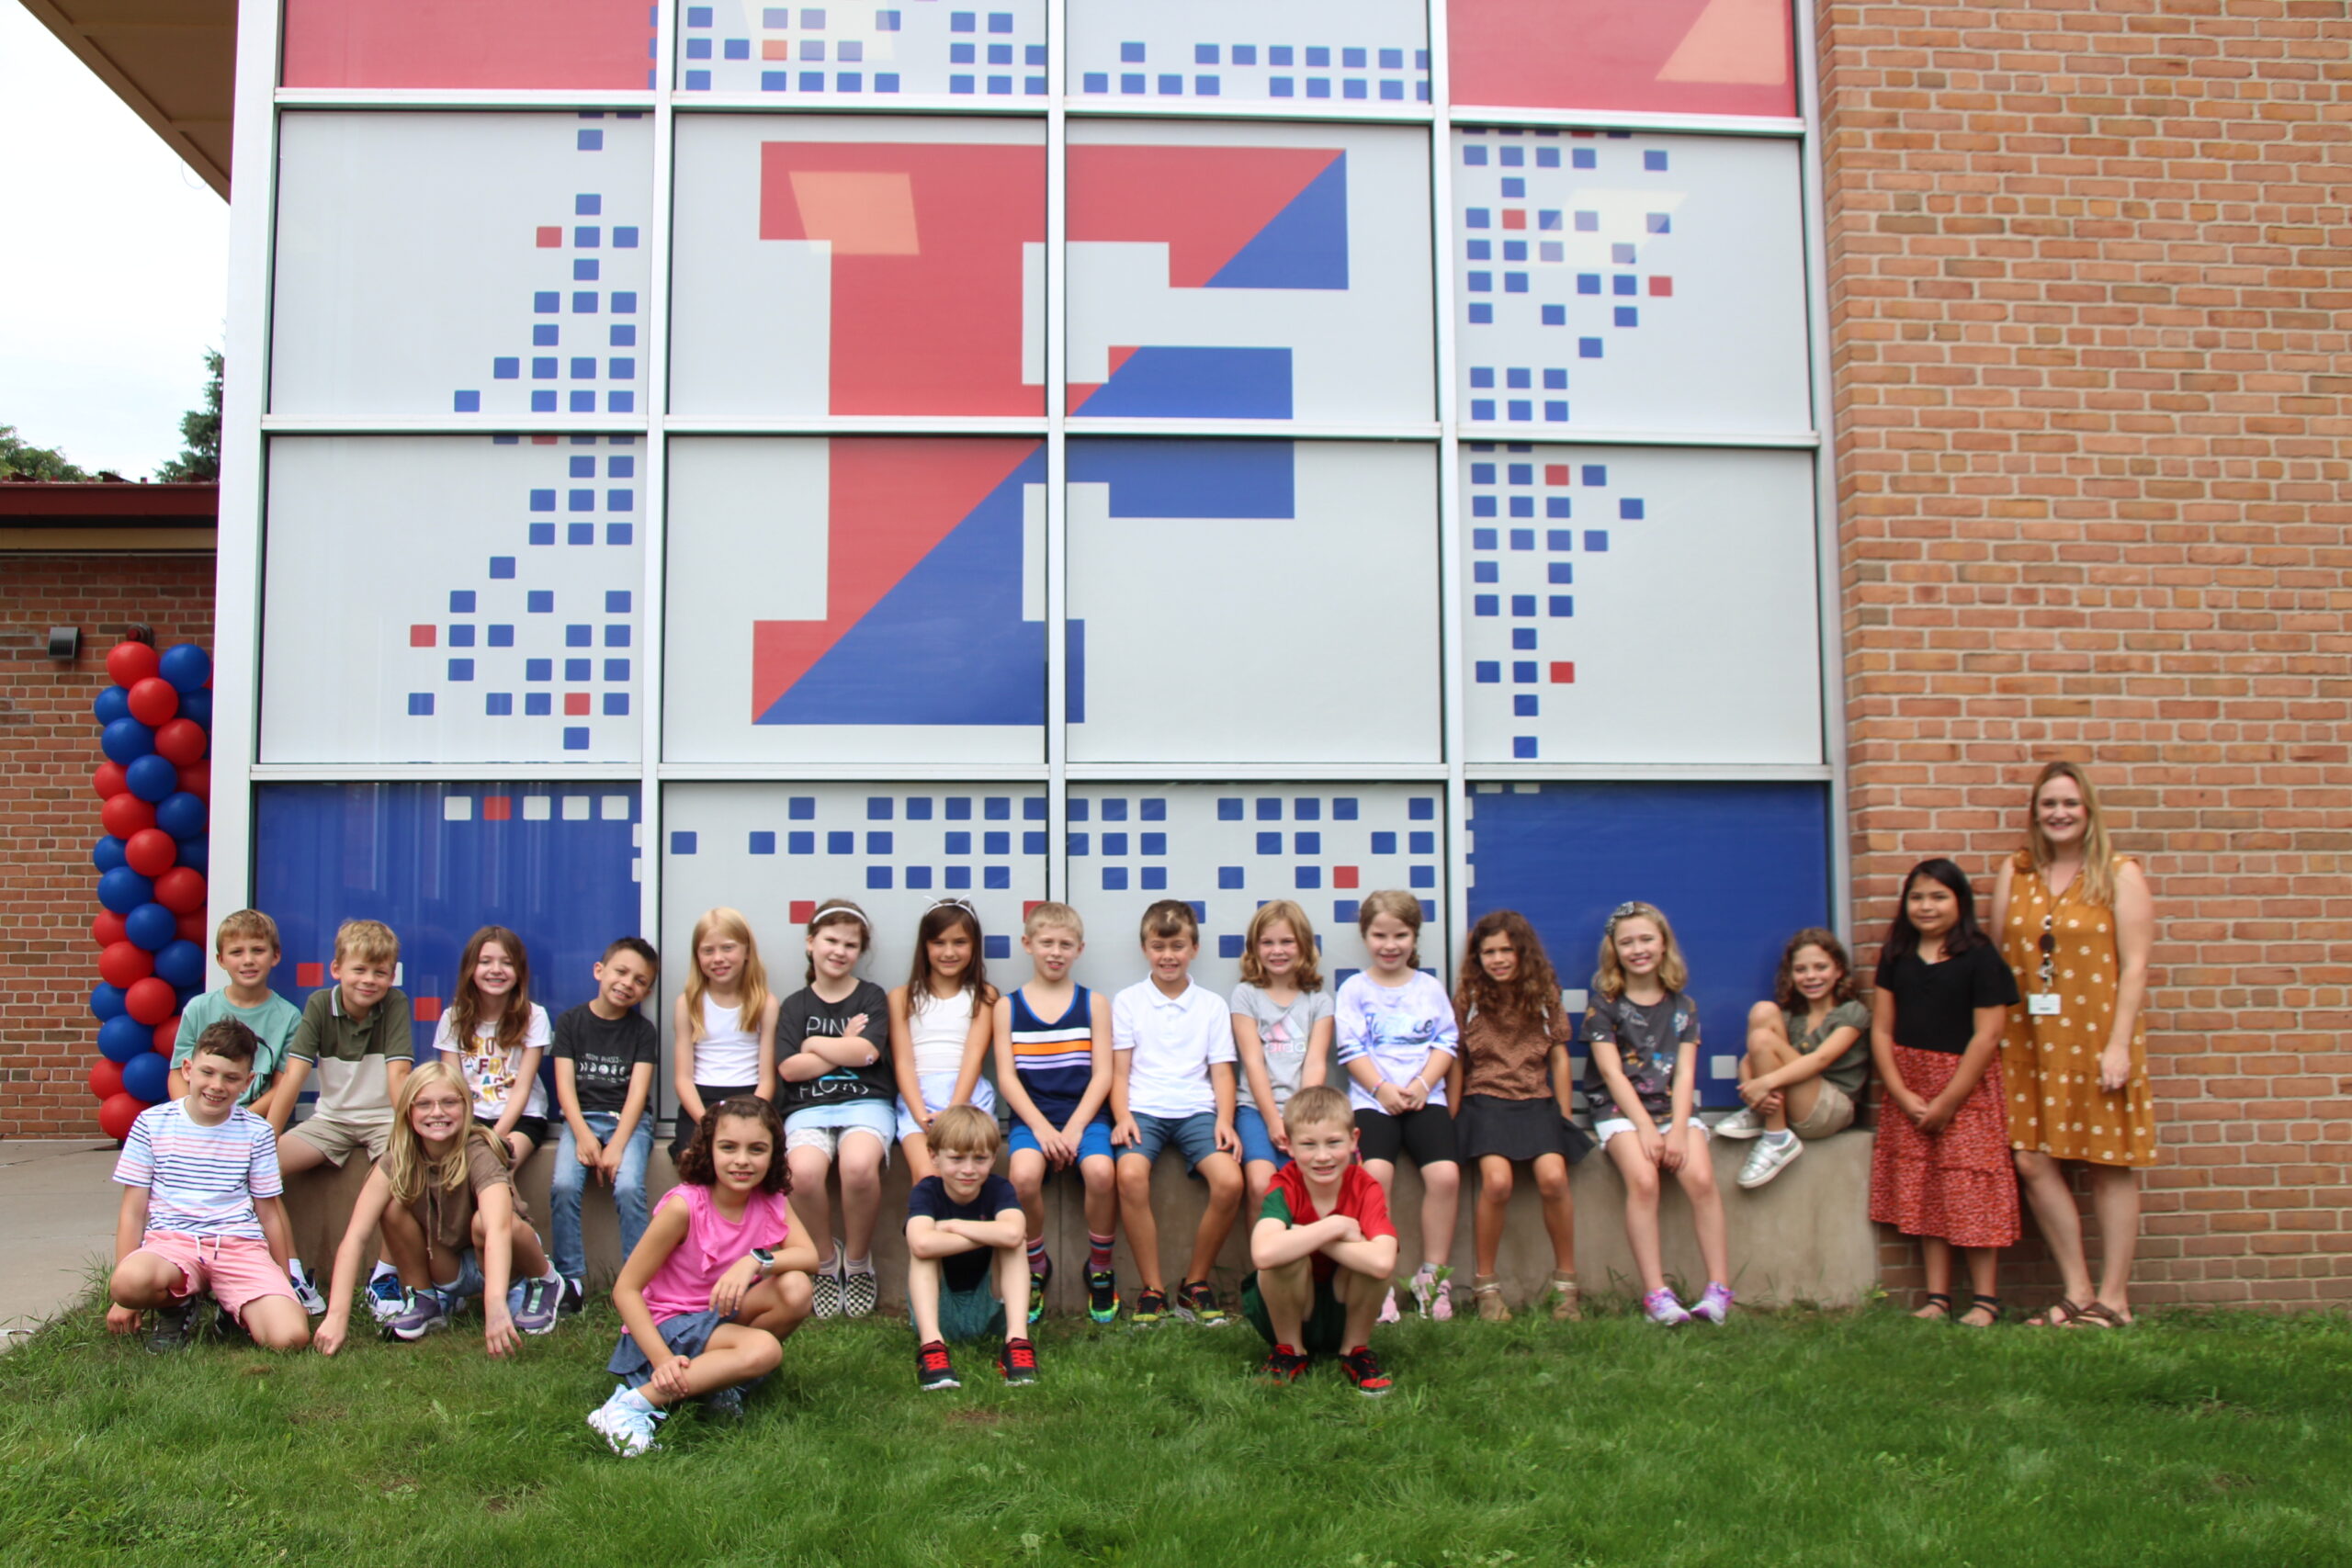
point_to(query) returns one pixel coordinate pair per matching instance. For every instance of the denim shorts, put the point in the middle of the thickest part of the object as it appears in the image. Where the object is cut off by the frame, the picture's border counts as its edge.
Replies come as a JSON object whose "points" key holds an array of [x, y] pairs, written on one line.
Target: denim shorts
{"points": [[938, 1089], [1257, 1144], [1194, 1136], [822, 1127], [1095, 1140]]}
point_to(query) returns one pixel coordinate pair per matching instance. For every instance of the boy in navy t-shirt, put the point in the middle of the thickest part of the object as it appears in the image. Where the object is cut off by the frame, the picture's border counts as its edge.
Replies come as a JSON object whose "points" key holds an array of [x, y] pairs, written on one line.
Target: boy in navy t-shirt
{"points": [[968, 1255]]}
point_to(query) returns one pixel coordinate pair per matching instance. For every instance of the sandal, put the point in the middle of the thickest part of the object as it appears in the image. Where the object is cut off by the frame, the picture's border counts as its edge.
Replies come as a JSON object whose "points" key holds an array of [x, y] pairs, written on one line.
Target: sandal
{"points": [[2099, 1315], [1991, 1304], [1941, 1303], [1565, 1306], [1487, 1291], [2060, 1314]]}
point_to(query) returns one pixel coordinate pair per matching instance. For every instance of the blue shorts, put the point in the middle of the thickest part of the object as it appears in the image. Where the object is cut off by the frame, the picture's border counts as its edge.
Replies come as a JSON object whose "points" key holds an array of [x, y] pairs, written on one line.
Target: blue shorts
{"points": [[1194, 1136], [823, 1126], [687, 1334], [1095, 1140], [1257, 1144]]}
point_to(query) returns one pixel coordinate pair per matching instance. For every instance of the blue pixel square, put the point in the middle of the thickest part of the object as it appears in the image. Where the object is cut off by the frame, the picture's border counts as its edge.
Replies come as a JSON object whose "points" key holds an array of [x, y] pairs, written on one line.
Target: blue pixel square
{"points": [[547, 301], [1345, 808], [877, 876], [1421, 876], [959, 808], [1205, 54], [1485, 571], [1153, 810], [537, 705], [538, 669], [420, 704], [1523, 640], [1270, 843], [1587, 348], [1228, 946], [763, 844], [1227, 876], [1114, 845], [1032, 843], [1033, 808], [1306, 843], [801, 809], [499, 705], [1630, 509], [1628, 316], [1489, 672], [1245, 54], [461, 636], [996, 877], [919, 878], [1421, 808], [958, 843], [461, 602], [1486, 538], [1228, 809], [1585, 158], [1523, 706], [1270, 808], [1114, 810], [956, 878], [577, 669], [1279, 55], [1420, 843], [996, 843], [1307, 877], [1562, 573], [1563, 605], [682, 842], [996, 808], [592, 142], [1096, 82], [539, 602], [1384, 843], [1658, 223], [1151, 843], [839, 843]]}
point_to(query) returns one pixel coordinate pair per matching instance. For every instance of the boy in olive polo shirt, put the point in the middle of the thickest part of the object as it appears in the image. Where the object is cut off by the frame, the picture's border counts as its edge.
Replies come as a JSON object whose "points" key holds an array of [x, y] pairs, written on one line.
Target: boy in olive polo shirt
{"points": [[355, 1035]]}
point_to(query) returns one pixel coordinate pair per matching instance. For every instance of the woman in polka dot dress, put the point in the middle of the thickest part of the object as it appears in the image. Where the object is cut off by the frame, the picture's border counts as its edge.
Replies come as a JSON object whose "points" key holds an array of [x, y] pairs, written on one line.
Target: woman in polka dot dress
{"points": [[2075, 923]]}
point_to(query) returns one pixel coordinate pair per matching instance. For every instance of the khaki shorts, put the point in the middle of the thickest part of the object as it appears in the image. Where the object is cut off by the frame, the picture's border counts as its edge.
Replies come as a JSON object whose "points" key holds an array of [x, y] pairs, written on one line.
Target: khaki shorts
{"points": [[1833, 1111], [338, 1140]]}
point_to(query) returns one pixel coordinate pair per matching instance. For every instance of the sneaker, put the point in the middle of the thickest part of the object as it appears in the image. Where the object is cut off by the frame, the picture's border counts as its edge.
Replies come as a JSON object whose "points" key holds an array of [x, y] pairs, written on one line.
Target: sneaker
{"points": [[174, 1326], [540, 1299], [1769, 1158], [1018, 1362], [826, 1291], [1664, 1310], [625, 1424], [386, 1296], [861, 1293], [1432, 1297], [1388, 1313], [422, 1312], [724, 1405], [1151, 1307], [1196, 1303], [1281, 1365], [1742, 1124], [1038, 1280], [304, 1290], [1362, 1368], [1714, 1305], [573, 1298], [227, 1329], [1101, 1295], [935, 1369]]}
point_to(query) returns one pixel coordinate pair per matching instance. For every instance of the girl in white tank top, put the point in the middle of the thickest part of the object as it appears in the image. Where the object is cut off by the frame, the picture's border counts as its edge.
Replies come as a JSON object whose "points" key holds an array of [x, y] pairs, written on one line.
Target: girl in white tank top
{"points": [[934, 1044], [727, 1054], [723, 1029]]}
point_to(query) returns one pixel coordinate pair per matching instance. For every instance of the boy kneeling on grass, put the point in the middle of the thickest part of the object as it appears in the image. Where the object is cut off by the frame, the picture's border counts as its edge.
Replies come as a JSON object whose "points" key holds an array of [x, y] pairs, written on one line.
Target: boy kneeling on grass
{"points": [[967, 1252], [1324, 1249]]}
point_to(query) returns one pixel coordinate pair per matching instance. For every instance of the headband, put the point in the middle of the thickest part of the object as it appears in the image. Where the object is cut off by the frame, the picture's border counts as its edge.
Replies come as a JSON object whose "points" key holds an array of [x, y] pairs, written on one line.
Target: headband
{"points": [[837, 907]]}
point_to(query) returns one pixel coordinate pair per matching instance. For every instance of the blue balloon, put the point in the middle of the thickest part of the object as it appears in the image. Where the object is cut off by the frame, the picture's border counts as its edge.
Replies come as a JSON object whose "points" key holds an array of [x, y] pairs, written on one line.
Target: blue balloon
{"points": [[123, 890], [126, 1040], [152, 778], [181, 963], [197, 705], [149, 1078], [126, 740], [196, 855], [114, 703], [105, 1002], [184, 815], [186, 666], [152, 925], [107, 853]]}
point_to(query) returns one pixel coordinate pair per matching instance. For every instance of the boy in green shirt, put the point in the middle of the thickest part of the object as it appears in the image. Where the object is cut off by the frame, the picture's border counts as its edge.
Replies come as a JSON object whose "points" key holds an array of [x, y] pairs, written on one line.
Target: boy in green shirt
{"points": [[245, 945]]}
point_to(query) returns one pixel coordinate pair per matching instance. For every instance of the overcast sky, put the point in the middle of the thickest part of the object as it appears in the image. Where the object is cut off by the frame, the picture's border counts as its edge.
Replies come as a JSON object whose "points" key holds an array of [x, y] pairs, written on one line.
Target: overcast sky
{"points": [[113, 261]]}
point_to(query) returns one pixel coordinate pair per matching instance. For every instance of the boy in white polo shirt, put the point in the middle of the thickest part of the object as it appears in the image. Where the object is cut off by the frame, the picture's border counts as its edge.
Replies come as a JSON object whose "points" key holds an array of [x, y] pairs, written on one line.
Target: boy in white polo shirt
{"points": [[1171, 1082]]}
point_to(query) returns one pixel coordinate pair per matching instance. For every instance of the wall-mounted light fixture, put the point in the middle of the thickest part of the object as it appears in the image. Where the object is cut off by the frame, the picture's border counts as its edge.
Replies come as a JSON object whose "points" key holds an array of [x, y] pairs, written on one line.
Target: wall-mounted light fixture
{"points": [[64, 643]]}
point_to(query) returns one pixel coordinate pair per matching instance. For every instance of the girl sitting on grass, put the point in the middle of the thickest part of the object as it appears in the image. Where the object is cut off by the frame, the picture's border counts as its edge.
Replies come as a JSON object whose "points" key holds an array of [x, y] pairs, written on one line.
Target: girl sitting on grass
{"points": [[712, 1287]]}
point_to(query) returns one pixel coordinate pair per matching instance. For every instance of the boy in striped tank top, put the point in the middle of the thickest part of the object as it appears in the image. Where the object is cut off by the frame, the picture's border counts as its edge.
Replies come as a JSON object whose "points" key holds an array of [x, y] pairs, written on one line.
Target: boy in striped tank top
{"points": [[1053, 1065]]}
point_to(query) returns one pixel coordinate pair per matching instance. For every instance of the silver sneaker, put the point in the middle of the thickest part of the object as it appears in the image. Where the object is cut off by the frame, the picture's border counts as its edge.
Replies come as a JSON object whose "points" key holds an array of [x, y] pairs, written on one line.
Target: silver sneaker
{"points": [[385, 1295], [628, 1429], [1742, 1124], [1769, 1158]]}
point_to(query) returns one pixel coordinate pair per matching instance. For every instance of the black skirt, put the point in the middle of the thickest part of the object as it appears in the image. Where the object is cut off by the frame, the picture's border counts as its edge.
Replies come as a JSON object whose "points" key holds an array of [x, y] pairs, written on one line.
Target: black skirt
{"points": [[1516, 1129]]}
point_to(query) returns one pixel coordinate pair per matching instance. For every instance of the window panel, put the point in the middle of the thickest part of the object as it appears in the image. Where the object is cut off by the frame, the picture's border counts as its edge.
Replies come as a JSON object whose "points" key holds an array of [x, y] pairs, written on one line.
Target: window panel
{"points": [[1335, 53], [1659, 57], [864, 50], [605, 44]]}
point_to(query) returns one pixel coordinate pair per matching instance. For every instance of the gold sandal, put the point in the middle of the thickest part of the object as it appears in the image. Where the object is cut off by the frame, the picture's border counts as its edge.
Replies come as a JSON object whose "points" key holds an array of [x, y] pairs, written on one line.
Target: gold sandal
{"points": [[1566, 1308], [1488, 1291]]}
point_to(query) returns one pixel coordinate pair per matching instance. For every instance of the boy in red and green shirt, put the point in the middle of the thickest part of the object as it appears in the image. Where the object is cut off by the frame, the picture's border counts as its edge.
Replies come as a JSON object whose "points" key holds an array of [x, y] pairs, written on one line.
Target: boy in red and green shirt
{"points": [[1324, 1249]]}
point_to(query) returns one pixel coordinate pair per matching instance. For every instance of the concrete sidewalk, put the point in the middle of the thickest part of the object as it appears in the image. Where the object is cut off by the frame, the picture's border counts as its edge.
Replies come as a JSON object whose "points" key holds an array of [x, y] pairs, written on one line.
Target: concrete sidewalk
{"points": [[57, 1212]]}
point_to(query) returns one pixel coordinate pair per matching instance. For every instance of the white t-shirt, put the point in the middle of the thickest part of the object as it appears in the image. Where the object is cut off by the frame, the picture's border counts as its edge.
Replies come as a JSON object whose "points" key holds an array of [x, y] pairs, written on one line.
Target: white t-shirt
{"points": [[1397, 1028], [1175, 1040], [490, 1072]]}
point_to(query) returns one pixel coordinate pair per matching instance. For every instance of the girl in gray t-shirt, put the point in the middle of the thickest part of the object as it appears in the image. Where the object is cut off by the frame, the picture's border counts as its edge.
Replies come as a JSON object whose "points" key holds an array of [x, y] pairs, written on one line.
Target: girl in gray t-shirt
{"points": [[1282, 1031]]}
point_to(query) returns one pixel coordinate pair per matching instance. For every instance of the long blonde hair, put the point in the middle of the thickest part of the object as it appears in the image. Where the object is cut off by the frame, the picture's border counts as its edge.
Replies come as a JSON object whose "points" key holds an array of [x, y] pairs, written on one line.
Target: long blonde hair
{"points": [[2097, 879], [1673, 971], [1308, 974], [409, 1168], [752, 982]]}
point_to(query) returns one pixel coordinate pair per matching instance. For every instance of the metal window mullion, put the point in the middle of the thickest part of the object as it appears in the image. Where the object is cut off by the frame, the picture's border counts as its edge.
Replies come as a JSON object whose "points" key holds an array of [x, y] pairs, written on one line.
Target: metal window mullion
{"points": [[1057, 458], [652, 617], [1449, 477]]}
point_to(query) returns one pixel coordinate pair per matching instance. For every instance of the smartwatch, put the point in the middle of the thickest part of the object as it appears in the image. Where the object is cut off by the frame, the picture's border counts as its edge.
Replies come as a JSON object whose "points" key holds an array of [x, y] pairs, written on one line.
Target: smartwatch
{"points": [[764, 1256]]}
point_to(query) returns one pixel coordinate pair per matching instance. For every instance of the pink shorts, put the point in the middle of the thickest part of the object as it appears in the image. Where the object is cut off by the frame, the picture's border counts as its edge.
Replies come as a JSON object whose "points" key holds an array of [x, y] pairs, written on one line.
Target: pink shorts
{"points": [[237, 1270]]}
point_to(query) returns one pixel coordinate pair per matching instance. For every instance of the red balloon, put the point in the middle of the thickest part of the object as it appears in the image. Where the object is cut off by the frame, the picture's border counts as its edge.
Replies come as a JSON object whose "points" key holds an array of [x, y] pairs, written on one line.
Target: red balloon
{"points": [[153, 701], [106, 929], [131, 662], [106, 1079], [111, 779], [197, 780], [150, 852], [126, 814], [168, 1035], [125, 964], [181, 890], [181, 743], [118, 1113], [150, 1000], [192, 927]]}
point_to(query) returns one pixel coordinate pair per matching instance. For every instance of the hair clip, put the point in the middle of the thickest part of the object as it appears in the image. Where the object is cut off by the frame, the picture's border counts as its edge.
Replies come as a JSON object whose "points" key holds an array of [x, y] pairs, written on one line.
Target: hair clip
{"points": [[1628, 908], [836, 907]]}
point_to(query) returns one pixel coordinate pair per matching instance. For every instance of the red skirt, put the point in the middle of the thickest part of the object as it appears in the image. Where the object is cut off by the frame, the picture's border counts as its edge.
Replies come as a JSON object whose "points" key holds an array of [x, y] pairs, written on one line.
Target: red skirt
{"points": [[1958, 1184]]}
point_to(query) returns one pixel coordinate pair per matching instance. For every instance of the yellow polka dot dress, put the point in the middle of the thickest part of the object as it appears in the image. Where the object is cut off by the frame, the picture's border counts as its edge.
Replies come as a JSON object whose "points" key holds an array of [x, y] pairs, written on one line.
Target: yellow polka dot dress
{"points": [[2050, 1065]]}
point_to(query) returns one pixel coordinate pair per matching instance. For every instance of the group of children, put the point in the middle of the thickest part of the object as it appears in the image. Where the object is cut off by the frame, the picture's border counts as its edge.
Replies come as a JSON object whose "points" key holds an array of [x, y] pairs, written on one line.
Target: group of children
{"points": [[1279, 1095]]}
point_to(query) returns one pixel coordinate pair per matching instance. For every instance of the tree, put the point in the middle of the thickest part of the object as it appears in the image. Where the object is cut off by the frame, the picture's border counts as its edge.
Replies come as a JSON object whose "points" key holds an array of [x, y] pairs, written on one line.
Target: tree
{"points": [[20, 460], [199, 459]]}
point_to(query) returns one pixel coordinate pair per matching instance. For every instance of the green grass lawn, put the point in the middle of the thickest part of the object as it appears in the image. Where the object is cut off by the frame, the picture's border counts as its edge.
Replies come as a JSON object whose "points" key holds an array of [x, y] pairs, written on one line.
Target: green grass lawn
{"points": [[1862, 1438]]}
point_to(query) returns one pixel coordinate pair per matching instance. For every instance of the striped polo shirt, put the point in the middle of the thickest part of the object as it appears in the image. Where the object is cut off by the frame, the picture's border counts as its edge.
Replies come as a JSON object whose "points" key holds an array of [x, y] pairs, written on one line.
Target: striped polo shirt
{"points": [[1054, 1061], [201, 1180]]}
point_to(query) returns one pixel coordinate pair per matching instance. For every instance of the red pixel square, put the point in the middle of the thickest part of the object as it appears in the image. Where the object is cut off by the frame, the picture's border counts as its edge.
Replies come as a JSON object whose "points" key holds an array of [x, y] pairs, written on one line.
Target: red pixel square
{"points": [[1028, 906], [575, 701], [1661, 288], [1556, 473], [310, 975], [421, 637], [1514, 218], [542, 440], [1343, 876], [1563, 672], [427, 1009], [497, 807], [550, 236], [803, 911]]}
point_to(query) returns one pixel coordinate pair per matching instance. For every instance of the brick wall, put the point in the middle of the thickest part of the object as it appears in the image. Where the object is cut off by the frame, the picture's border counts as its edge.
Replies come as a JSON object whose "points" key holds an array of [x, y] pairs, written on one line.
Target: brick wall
{"points": [[49, 813], [2090, 296]]}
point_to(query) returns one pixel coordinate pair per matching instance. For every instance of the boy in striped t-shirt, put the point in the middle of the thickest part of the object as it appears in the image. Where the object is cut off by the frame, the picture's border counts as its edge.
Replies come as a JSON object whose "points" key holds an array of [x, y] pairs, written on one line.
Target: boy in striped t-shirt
{"points": [[200, 1209], [1053, 1068]]}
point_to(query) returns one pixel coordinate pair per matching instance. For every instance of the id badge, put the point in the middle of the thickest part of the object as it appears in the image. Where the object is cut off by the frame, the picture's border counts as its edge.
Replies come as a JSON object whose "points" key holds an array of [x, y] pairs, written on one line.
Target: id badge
{"points": [[2043, 1004]]}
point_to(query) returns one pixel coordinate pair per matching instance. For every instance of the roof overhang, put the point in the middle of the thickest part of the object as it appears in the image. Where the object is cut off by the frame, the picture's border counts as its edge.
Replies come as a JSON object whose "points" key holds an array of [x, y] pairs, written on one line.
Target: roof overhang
{"points": [[174, 61], [80, 518]]}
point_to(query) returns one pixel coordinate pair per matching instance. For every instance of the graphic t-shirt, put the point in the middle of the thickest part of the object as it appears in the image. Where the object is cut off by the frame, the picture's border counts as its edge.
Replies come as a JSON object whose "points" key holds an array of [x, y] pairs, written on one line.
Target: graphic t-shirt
{"points": [[273, 1023], [1647, 1038], [964, 1270], [493, 1074], [604, 1051], [1285, 1033], [806, 1015], [201, 1180], [1359, 1199], [1396, 1027]]}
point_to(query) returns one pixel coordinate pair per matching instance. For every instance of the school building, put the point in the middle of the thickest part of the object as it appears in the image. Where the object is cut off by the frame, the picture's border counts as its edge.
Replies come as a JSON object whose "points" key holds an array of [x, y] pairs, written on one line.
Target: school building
{"points": [[1538, 453]]}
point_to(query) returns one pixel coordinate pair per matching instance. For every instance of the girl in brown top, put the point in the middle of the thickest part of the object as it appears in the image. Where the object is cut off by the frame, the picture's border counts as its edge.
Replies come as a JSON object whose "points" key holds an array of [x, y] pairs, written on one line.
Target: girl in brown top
{"points": [[2076, 921], [1510, 1085]]}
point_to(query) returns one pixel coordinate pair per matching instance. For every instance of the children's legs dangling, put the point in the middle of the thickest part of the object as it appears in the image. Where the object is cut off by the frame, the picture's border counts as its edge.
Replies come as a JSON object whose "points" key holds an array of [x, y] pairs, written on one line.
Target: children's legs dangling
{"points": [[1559, 1211], [1101, 1196], [1441, 1209], [1641, 1209], [1493, 1209], [1698, 1179], [862, 1155], [915, 1149], [810, 1165], [1143, 1225], [1028, 1173]]}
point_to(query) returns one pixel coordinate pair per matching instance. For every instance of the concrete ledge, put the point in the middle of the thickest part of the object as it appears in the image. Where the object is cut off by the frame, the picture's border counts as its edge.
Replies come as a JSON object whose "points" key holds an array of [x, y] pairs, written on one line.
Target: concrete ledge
{"points": [[1806, 1238]]}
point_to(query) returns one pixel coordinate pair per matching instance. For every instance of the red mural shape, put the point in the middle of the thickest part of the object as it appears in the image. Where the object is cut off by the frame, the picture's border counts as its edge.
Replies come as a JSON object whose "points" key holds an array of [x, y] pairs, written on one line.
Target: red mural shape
{"points": [[1205, 203], [468, 43], [1660, 56], [928, 313]]}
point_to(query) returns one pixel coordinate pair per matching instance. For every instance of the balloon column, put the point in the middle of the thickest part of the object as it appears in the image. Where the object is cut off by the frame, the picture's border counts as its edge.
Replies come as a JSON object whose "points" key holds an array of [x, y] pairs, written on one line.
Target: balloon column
{"points": [[155, 728]]}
